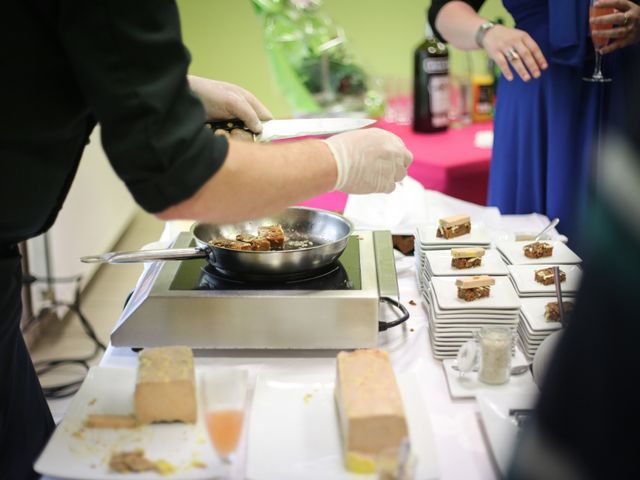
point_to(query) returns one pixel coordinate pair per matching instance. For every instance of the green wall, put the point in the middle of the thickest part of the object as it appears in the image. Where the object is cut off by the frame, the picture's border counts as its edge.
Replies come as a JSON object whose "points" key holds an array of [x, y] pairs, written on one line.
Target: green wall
{"points": [[225, 40]]}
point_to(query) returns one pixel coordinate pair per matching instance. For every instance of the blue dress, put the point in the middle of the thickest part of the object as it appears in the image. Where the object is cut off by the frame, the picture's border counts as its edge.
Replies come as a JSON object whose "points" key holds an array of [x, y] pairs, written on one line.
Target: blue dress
{"points": [[546, 129]]}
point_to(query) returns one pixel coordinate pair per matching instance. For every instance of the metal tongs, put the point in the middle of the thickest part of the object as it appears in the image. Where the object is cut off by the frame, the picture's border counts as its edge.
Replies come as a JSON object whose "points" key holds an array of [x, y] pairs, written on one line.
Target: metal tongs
{"points": [[556, 279]]}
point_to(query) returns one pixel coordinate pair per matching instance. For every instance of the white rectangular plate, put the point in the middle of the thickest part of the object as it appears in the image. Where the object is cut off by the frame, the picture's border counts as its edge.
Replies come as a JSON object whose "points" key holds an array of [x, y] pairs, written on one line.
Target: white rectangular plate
{"points": [[294, 431], [524, 278], [501, 429], [75, 452], [477, 236], [502, 296], [439, 264], [514, 254]]}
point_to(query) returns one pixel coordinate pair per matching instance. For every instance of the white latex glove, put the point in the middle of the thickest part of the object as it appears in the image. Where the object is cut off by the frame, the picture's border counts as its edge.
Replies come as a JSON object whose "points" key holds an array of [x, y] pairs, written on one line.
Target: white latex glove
{"points": [[369, 161], [225, 101]]}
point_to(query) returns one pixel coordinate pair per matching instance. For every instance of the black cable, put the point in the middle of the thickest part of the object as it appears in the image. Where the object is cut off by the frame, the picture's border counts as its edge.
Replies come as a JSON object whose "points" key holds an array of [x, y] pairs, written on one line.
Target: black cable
{"points": [[45, 366], [382, 326]]}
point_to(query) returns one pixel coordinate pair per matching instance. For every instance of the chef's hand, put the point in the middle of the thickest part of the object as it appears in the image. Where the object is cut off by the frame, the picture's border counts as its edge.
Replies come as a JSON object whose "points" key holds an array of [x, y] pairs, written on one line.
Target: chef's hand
{"points": [[511, 46], [225, 101], [624, 25], [369, 161]]}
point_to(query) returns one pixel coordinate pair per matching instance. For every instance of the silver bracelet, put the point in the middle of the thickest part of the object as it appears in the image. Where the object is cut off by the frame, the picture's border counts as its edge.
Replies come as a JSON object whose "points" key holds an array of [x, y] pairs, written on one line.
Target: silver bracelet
{"points": [[482, 31]]}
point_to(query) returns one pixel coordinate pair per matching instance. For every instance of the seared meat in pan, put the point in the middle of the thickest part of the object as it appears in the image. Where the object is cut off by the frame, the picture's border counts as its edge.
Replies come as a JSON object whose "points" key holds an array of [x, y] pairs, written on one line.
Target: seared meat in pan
{"points": [[270, 237]]}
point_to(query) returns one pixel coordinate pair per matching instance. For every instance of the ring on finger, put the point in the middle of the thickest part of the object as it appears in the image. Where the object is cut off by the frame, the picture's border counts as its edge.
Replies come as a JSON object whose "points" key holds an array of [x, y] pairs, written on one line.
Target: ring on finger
{"points": [[512, 55]]}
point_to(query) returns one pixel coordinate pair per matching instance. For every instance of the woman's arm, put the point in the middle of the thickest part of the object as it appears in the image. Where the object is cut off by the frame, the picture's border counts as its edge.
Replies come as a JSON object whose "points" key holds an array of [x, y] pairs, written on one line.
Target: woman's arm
{"points": [[458, 23]]}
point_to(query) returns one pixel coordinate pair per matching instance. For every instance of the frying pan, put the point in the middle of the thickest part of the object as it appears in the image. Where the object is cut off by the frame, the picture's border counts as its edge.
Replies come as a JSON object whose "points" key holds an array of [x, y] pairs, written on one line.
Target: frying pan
{"points": [[328, 233]]}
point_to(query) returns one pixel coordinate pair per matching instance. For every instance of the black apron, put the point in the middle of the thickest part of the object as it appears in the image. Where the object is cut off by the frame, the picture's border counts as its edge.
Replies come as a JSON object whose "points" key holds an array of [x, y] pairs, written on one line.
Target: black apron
{"points": [[25, 419]]}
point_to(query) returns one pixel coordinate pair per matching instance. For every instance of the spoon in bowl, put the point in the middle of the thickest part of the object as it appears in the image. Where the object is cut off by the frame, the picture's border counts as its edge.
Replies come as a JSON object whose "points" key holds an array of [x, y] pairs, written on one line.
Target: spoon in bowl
{"points": [[552, 224]]}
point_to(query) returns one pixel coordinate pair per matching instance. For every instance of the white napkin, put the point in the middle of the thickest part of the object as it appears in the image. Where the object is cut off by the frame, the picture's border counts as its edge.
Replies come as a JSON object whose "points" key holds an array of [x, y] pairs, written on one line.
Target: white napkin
{"points": [[410, 205]]}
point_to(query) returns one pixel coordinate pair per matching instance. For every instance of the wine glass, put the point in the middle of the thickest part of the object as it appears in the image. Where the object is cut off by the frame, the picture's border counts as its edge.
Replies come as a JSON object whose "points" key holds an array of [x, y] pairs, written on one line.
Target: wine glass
{"points": [[598, 42], [224, 399]]}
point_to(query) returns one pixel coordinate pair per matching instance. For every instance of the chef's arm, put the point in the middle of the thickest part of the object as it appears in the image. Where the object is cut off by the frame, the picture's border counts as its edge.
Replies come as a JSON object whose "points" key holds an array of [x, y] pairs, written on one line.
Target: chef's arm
{"points": [[131, 67], [258, 179]]}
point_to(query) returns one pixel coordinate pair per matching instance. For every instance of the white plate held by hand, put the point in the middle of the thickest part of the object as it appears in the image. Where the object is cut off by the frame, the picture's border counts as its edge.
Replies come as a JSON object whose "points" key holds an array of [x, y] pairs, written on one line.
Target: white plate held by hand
{"points": [[500, 427]]}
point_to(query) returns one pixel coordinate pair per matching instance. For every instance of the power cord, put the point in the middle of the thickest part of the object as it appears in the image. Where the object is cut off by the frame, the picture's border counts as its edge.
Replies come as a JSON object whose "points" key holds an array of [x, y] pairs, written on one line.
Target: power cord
{"points": [[382, 326], [43, 367]]}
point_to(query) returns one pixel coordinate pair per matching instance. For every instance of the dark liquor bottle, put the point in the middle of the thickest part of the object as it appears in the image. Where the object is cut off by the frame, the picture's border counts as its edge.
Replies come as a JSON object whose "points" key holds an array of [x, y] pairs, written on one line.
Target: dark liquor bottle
{"points": [[431, 85]]}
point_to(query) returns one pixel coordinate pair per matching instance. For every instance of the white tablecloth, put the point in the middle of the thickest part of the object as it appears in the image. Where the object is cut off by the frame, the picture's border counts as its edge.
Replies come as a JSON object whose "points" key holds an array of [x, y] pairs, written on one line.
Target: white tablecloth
{"points": [[462, 449]]}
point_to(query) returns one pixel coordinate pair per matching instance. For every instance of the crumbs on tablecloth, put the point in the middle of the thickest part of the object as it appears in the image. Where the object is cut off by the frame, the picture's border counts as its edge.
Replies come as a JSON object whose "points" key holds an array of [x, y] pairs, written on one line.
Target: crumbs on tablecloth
{"points": [[197, 464], [307, 397], [412, 302], [93, 401]]}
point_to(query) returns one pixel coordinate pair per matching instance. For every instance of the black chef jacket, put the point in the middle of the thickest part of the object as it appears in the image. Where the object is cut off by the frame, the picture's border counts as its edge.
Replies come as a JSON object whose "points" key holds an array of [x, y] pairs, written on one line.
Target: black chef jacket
{"points": [[65, 64], [69, 63]]}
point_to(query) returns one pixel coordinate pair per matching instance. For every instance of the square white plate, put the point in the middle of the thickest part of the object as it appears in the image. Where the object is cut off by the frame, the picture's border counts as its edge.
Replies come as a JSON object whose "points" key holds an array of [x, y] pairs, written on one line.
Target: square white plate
{"points": [[501, 429], [75, 452], [439, 264], [524, 279], [294, 431], [468, 386], [430, 298], [533, 312], [502, 296], [477, 236], [514, 254]]}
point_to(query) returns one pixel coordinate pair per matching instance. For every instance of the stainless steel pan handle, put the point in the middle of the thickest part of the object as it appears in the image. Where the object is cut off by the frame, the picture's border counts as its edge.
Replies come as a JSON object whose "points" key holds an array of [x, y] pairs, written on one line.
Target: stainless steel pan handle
{"points": [[147, 255]]}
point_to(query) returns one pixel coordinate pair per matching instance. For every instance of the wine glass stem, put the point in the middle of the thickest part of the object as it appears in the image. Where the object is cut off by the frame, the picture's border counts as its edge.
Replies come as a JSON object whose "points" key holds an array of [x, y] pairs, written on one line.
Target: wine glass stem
{"points": [[597, 72]]}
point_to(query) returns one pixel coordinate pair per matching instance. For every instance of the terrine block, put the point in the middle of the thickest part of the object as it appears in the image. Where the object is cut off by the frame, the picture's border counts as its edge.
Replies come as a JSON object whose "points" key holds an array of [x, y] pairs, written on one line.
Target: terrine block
{"points": [[454, 226], [466, 257], [538, 250], [552, 311], [165, 385], [545, 276], [370, 409], [473, 288]]}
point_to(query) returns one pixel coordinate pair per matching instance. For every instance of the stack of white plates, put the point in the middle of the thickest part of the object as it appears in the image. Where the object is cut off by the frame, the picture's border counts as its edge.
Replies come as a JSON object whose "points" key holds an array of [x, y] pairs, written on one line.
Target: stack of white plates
{"points": [[437, 263], [426, 240], [513, 254], [534, 327], [523, 279], [453, 321]]}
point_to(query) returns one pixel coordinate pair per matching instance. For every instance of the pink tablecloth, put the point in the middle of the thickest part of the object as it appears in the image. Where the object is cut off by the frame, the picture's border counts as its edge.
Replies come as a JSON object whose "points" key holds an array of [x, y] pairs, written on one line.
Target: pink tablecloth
{"points": [[448, 162]]}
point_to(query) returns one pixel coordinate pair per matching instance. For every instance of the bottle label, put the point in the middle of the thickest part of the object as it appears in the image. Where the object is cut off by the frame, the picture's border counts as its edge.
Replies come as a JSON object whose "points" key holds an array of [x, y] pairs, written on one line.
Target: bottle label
{"points": [[436, 65], [439, 100]]}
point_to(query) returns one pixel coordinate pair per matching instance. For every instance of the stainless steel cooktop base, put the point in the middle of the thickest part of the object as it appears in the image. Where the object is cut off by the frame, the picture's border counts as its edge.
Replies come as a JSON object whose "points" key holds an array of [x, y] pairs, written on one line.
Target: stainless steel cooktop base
{"points": [[157, 315]]}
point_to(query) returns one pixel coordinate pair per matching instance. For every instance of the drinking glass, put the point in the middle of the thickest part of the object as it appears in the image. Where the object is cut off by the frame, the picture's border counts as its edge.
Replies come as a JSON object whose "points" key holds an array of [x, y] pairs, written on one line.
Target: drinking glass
{"points": [[598, 42], [398, 100], [224, 399]]}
